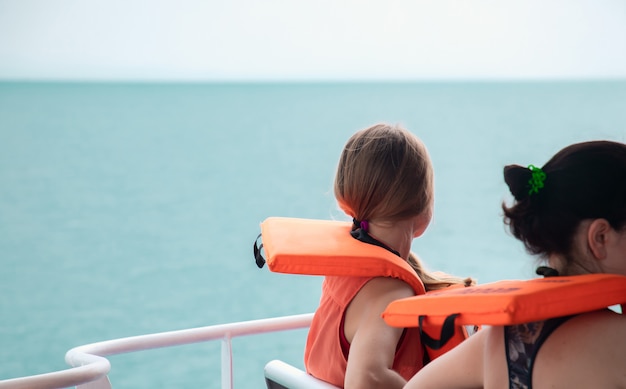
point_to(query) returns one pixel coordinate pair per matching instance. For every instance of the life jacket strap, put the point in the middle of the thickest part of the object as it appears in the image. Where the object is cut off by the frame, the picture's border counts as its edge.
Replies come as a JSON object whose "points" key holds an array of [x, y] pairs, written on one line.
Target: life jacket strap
{"points": [[260, 261], [447, 332], [546, 271], [363, 236]]}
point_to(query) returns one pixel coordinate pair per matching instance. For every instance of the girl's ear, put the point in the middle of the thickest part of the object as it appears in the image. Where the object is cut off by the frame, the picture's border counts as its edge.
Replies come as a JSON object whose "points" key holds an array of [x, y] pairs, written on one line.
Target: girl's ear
{"points": [[597, 238], [421, 222]]}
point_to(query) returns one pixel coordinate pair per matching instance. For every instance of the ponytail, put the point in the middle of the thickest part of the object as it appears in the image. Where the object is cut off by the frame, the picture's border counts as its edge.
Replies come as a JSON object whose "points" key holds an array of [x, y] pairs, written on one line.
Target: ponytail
{"points": [[436, 280]]}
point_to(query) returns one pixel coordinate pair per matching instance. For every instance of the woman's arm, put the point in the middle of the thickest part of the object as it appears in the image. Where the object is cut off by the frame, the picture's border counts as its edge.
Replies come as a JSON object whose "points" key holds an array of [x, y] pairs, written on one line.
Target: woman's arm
{"points": [[372, 342]]}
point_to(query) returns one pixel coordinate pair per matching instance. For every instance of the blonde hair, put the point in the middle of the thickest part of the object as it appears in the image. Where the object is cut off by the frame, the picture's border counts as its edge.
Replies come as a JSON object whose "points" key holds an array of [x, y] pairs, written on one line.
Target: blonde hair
{"points": [[385, 174]]}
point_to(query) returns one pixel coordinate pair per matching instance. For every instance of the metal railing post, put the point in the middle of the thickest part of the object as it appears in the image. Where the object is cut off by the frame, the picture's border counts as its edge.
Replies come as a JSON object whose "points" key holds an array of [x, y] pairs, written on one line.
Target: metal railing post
{"points": [[227, 362]]}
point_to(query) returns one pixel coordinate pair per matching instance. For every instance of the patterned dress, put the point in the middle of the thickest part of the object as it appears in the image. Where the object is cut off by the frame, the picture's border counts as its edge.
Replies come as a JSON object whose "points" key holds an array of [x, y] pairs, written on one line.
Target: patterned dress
{"points": [[522, 342]]}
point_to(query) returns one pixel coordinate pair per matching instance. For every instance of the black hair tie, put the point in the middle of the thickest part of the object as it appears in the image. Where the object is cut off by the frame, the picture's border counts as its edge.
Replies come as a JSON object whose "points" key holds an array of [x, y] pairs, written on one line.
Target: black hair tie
{"points": [[362, 224]]}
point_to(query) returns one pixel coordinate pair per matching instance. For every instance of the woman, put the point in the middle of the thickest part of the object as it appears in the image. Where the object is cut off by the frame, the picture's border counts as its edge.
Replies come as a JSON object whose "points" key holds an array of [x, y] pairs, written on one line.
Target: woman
{"points": [[572, 213]]}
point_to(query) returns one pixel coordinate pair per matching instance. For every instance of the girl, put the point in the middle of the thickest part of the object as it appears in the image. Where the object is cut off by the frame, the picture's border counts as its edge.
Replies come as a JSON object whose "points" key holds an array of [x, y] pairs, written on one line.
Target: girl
{"points": [[384, 181]]}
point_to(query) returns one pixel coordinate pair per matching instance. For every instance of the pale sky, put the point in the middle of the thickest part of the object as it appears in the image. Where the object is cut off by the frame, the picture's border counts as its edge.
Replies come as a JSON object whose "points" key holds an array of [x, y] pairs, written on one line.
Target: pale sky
{"points": [[311, 40]]}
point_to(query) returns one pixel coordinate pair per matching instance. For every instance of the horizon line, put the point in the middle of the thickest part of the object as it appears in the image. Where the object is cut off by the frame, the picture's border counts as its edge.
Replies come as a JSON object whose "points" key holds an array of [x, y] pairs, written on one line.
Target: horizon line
{"points": [[99, 80]]}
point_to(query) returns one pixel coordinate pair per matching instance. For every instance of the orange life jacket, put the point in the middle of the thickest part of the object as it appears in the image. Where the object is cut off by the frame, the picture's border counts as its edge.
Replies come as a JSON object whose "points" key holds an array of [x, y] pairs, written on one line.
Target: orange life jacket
{"points": [[324, 247], [510, 302]]}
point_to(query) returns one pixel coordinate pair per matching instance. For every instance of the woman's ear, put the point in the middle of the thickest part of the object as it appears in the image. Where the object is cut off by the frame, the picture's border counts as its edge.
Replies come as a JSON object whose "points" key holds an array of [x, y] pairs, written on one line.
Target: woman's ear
{"points": [[597, 238]]}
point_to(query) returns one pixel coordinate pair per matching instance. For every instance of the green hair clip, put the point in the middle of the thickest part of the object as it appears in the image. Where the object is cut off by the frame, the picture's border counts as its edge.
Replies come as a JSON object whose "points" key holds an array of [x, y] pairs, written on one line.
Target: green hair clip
{"points": [[537, 179]]}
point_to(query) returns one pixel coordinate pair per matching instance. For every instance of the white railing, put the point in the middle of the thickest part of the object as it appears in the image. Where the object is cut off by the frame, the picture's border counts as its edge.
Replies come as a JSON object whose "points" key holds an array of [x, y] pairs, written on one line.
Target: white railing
{"points": [[90, 367]]}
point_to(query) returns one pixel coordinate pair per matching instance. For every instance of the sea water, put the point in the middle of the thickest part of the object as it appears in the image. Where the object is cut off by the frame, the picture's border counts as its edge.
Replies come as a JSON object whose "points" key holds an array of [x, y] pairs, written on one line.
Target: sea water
{"points": [[128, 209]]}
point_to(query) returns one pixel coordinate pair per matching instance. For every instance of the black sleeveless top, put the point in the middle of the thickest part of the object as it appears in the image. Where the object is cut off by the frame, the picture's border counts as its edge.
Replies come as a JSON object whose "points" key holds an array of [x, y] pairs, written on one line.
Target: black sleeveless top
{"points": [[522, 342]]}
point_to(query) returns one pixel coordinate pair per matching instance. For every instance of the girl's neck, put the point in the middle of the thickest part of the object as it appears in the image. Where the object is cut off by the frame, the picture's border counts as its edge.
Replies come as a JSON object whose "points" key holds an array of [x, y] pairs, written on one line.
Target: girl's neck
{"points": [[397, 236]]}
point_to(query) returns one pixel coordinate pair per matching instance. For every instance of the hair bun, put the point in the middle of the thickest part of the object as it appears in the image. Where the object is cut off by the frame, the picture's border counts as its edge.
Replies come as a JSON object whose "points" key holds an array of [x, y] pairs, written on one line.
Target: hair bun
{"points": [[517, 177]]}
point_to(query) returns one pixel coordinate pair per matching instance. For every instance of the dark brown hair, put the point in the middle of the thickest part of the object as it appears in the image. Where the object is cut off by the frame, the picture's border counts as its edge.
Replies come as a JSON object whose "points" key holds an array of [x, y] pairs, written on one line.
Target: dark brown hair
{"points": [[582, 181]]}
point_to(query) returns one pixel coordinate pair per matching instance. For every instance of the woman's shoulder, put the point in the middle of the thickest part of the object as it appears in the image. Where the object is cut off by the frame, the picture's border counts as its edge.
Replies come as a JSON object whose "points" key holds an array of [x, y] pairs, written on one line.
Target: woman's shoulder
{"points": [[604, 323], [598, 328], [594, 341]]}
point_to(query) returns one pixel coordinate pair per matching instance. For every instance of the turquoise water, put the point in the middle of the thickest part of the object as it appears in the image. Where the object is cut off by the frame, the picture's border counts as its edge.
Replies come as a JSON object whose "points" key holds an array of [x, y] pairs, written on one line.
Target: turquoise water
{"points": [[131, 208]]}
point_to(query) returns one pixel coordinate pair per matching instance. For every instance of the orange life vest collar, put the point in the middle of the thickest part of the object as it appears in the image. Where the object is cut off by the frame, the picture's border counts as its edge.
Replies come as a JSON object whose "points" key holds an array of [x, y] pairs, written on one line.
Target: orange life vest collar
{"points": [[511, 302], [325, 247]]}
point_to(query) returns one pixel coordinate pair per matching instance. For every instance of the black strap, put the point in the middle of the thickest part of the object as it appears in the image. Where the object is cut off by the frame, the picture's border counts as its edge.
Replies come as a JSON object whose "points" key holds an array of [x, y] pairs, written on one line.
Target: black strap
{"points": [[546, 271], [447, 332], [362, 235], [260, 261]]}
